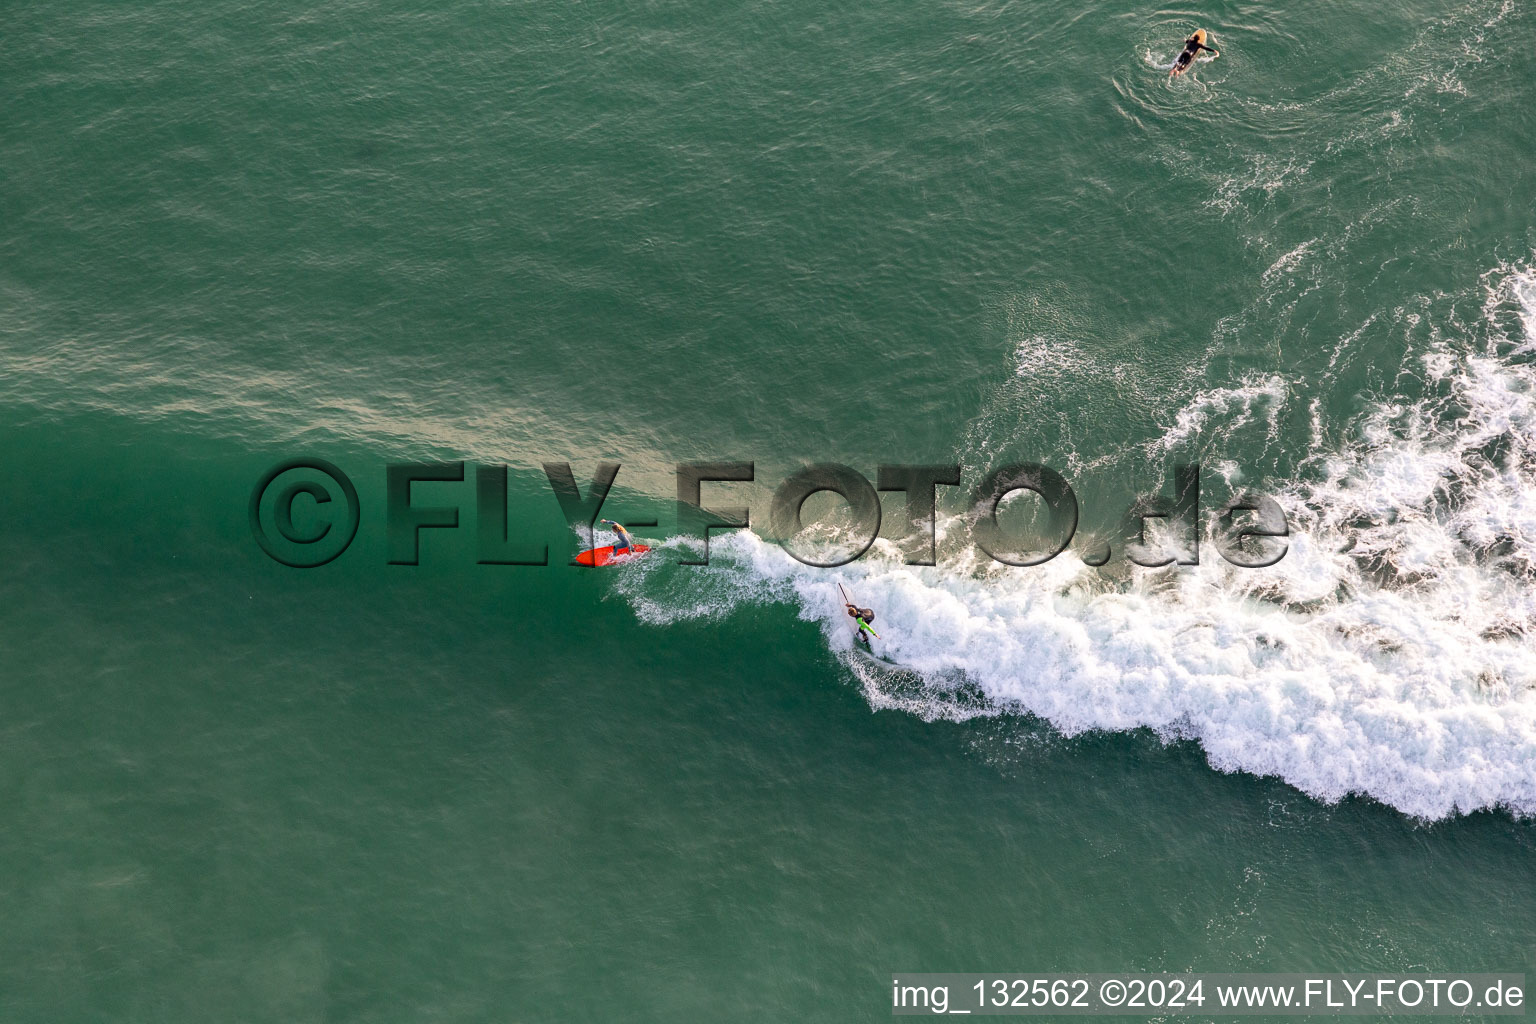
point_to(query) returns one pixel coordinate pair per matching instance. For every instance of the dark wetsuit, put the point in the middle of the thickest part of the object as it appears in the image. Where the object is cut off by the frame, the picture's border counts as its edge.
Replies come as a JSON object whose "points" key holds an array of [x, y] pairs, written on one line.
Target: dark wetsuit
{"points": [[1192, 48], [863, 617]]}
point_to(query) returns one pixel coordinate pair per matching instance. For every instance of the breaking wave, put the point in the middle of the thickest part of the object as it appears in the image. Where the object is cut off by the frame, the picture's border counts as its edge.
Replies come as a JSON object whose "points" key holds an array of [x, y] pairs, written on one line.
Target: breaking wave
{"points": [[1386, 655]]}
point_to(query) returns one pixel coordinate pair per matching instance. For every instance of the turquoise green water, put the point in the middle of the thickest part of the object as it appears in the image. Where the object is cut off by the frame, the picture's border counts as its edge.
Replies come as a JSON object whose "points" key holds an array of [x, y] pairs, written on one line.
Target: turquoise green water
{"points": [[786, 233]]}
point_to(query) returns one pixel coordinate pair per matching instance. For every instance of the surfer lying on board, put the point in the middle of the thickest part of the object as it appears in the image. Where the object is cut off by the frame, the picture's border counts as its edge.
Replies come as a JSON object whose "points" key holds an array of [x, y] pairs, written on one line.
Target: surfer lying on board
{"points": [[622, 545], [1192, 47]]}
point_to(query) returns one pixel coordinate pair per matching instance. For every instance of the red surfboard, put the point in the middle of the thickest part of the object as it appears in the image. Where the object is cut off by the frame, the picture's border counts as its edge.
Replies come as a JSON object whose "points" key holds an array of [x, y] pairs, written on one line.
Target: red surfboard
{"points": [[604, 556]]}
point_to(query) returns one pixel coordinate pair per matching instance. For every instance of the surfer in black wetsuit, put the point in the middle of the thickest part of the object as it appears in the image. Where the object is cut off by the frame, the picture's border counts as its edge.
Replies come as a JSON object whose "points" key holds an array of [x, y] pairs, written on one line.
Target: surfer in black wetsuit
{"points": [[623, 543], [863, 617], [1192, 47]]}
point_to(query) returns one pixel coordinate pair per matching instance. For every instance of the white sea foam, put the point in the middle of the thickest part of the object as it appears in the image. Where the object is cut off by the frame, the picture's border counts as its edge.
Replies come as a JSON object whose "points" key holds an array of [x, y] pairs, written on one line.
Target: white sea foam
{"points": [[1267, 174], [1261, 397], [1386, 654], [1288, 263]]}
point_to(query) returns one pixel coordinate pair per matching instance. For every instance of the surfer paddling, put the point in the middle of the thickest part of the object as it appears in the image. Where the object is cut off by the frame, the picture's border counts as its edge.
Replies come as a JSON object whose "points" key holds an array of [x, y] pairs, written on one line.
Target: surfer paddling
{"points": [[1192, 47]]}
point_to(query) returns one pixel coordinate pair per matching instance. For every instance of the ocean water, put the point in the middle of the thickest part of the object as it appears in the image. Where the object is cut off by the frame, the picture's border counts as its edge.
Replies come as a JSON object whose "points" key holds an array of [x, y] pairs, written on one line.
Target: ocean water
{"points": [[657, 232]]}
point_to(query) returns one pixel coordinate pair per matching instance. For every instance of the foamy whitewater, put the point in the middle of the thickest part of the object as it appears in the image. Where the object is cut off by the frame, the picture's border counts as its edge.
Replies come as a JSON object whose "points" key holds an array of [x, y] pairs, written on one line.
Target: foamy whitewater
{"points": [[1384, 655]]}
